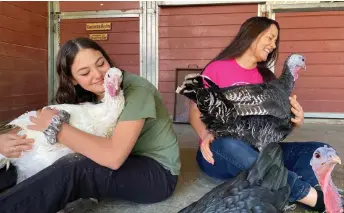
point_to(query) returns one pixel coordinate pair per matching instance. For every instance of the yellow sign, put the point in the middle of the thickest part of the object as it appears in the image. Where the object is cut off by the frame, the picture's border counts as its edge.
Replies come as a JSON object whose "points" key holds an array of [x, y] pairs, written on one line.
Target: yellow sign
{"points": [[98, 26], [99, 37]]}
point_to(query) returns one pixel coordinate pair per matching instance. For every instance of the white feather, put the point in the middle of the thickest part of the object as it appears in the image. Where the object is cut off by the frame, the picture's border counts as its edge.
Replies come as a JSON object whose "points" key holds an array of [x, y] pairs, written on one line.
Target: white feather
{"points": [[97, 119]]}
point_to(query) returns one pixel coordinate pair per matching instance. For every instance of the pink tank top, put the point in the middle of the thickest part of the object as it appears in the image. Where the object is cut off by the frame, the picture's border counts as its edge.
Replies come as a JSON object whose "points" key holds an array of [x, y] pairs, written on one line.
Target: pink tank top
{"points": [[227, 73]]}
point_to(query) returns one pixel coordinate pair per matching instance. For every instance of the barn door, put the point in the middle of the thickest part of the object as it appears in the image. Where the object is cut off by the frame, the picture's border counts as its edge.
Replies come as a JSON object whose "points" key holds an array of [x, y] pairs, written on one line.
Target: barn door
{"points": [[118, 36], [317, 32]]}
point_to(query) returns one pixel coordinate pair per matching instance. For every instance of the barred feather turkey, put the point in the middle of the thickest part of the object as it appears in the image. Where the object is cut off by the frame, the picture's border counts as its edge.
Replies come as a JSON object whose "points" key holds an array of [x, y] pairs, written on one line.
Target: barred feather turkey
{"points": [[97, 119], [256, 113], [262, 189]]}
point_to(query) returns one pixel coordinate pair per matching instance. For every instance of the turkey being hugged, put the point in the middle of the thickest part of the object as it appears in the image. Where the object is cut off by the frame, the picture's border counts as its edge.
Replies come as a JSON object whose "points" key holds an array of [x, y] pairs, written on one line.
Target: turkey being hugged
{"points": [[255, 113], [97, 119]]}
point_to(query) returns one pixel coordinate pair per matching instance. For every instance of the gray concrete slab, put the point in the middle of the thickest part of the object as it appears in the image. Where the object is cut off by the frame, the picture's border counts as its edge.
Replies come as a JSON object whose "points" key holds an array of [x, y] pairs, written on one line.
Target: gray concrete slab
{"points": [[193, 184]]}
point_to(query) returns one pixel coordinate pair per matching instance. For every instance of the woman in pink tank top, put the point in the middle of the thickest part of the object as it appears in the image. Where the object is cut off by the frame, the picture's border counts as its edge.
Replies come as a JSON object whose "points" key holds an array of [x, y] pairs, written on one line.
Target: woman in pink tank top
{"points": [[246, 60]]}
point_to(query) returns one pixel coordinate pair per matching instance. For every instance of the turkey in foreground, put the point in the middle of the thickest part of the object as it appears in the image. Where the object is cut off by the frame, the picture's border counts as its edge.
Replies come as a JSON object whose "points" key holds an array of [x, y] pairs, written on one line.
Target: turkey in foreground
{"points": [[323, 162], [263, 188], [97, 119], [256, 113]]}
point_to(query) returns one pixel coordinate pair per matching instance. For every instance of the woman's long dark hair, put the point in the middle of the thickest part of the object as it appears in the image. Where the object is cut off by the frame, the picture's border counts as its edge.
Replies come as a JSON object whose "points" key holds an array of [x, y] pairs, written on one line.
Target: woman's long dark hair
{"points": [[248, 32], [67, 93]]}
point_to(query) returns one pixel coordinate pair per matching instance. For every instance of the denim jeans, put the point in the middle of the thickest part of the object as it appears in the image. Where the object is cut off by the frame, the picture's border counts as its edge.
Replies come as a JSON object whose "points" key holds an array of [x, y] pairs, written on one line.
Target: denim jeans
{"points": [[233, 156], [140, 179]]}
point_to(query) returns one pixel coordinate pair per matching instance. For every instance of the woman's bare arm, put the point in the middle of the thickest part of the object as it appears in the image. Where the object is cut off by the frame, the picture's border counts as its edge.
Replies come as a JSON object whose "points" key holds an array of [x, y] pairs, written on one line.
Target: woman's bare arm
{"points": [[110, 153], [195, 120]]}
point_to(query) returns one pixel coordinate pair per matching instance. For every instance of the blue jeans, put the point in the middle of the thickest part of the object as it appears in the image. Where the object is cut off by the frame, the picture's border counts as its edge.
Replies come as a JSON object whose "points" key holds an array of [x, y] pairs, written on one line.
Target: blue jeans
{"points": [[233, 156]]}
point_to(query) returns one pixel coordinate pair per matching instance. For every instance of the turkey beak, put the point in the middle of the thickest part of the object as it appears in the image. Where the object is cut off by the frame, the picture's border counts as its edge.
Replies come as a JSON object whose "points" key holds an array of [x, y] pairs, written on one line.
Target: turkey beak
{"points": [[304, 67], [336, 159], [117, 84]]}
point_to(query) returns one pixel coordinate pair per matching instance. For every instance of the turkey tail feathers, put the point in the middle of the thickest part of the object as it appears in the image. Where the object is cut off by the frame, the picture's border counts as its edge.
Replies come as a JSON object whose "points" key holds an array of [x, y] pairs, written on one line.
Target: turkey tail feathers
{"points": [[268, 164], [195, 82], [269, 172], [190, 86]]}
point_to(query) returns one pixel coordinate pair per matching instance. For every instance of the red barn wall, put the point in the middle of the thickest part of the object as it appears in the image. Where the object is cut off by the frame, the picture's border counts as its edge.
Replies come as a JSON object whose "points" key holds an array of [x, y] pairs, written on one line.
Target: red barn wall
{"points": [[193, 35], [123, 44], [319, 36], [23, 57]]}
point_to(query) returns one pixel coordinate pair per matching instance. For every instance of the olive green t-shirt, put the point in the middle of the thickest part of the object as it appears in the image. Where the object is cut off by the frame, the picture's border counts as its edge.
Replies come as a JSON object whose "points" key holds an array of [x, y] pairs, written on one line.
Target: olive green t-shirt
{"points": [[157, 139]]}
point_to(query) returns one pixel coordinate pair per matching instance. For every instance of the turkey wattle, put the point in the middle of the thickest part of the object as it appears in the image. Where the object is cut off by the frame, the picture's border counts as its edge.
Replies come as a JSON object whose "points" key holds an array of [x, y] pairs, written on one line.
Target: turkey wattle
{"points": [[256, 113], [97, 119], [323, 162]]}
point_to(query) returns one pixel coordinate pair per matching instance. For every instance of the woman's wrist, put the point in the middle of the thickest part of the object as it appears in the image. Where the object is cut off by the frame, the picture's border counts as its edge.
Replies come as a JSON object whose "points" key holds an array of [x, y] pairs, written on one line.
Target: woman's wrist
{"points": [[204, 134], [55, 126]]}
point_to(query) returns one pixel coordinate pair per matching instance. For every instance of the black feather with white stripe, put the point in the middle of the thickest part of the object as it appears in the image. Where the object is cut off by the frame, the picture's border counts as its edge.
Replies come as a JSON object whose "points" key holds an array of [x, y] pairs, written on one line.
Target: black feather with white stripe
{"points": [[256, 113], [263, 188]]}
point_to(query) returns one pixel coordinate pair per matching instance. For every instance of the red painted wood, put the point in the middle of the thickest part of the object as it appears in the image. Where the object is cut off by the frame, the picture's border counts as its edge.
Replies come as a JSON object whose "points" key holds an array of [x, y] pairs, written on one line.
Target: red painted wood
{"points": [[329, 58], [167, 75], [198, 31], [186, 54], [22, 100], [21, 26], [35, 7], [194, 42], [9, 10], [321, 87], [17, 51], [319, 70], [322, 106], [11, 113], [312, 34], [23, 57], [69, 6], [315, 21], [123, 44], [206, 19], [22, 83], [309, 46], [15, 64], [323, 13], [118, 25], [172, 65], [208, 9], [23, 39]]}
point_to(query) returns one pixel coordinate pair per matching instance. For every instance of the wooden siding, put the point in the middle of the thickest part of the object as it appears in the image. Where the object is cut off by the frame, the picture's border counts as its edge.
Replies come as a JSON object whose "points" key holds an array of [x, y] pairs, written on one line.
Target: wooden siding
{"points": [[69, 6], [123, 44], [23, 57], [319, 36], [192, 36]]}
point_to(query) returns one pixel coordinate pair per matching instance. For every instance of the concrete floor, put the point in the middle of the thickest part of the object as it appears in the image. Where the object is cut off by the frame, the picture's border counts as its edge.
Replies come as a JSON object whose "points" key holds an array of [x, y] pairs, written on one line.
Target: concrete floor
{"points": [[193, 184]]}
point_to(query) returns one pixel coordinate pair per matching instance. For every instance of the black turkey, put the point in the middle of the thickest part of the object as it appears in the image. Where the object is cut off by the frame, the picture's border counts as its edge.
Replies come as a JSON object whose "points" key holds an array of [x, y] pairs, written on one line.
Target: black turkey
{"points": [[256, 113], [263, 188]]}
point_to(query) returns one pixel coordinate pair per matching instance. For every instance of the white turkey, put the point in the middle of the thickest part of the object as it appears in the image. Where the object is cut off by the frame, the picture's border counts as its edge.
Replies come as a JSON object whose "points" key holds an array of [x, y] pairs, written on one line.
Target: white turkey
{"points": [[97, 119], [256, 113]]}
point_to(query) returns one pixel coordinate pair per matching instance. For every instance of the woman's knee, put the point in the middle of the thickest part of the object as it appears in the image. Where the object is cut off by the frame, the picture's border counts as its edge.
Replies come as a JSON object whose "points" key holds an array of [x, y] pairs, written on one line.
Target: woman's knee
{"points": [[230, 156], [234, 150], [71, 160]]}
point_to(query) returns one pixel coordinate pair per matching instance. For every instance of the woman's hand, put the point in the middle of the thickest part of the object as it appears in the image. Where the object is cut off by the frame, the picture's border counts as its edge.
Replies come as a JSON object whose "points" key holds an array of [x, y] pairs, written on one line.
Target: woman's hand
{"points": [[297, 111], [12, 145], [205, 147], [43, 119]]}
